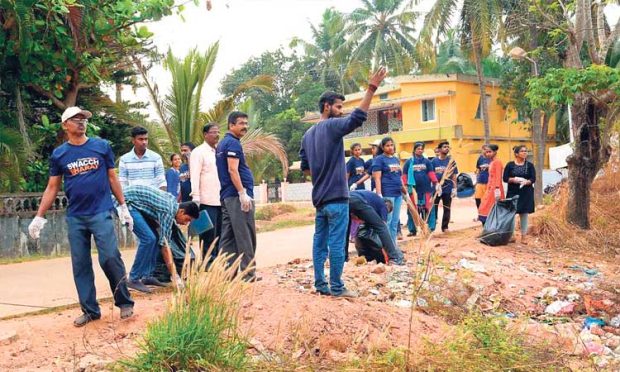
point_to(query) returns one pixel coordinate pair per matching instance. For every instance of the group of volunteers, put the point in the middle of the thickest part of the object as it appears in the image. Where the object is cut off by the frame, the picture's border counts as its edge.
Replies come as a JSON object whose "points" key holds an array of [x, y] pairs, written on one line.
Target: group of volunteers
{"points": [[216, 180], [421, 179]]}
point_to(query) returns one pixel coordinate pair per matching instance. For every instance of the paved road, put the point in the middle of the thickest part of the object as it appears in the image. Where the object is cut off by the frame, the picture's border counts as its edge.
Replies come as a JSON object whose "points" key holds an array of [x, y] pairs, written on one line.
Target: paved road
{"points": [[31, 286]]}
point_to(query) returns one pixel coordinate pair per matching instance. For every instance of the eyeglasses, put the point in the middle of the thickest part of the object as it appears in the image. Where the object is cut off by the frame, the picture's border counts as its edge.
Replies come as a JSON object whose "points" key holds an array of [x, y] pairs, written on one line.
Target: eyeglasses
{"points": [[81, 121]]}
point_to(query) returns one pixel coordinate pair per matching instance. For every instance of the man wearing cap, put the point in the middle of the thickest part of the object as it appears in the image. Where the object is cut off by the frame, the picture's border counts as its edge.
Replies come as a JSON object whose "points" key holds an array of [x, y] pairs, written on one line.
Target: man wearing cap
{"points": [[322, 157], [87, 165]]}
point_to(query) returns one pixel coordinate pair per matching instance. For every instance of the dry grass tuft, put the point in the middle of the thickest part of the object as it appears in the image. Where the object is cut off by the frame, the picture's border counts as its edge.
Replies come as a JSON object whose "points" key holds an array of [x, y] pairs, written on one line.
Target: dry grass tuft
{"points": [[551, 228], [200, 328]]}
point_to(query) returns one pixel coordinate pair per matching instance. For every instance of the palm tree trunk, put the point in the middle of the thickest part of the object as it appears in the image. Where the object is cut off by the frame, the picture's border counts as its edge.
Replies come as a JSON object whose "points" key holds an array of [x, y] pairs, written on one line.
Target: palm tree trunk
{"points": [[484, 110], [22, 122]]}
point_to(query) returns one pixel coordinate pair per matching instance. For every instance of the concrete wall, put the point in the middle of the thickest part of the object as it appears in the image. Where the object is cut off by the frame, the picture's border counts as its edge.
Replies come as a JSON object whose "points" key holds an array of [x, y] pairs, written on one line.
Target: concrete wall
{"points": [[15, 216]]}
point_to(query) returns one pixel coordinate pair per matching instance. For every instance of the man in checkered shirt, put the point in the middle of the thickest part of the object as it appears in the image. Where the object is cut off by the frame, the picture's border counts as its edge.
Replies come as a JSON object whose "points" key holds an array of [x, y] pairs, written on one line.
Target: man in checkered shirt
{"points": [[147, 203]]}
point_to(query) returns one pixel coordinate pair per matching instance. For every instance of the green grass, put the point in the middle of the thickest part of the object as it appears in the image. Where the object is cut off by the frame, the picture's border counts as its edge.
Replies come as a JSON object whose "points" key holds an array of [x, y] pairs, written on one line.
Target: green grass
{"points": [[199, 331], [269, 211], [477, 343], [285, 224]]}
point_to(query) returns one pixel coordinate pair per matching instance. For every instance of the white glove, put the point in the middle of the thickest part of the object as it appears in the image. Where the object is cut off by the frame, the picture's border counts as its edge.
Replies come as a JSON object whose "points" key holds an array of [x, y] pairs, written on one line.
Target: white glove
{"points": [[178, 282], [246, 201], [125, 216], [438, 189], [35, 227], [519, 179], [453, 193], [353, 187], [498, 194], [196, 201]]}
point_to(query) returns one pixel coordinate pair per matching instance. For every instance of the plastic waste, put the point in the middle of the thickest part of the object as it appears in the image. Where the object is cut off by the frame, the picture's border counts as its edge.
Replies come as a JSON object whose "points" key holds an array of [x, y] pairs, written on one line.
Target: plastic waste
{"points": [[560, 308], [500, 223], [590, 321]]}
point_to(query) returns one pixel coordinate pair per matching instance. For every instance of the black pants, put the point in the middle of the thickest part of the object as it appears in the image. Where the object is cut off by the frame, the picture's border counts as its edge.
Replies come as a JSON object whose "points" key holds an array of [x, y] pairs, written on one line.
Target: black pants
{"points": [[446, 200], [360, 208], [238, 234], [207, 237]]}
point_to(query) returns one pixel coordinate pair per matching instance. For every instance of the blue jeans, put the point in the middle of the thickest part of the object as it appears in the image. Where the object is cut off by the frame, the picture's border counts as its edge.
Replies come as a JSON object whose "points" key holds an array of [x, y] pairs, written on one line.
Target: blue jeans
{"points": [[330, 231], [101, 227], [394, 216], [146, 255]]}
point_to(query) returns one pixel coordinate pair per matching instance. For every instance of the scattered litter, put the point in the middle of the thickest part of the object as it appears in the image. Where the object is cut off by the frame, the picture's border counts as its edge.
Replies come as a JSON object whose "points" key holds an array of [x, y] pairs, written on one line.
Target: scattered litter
{"points": [[615, 321], [475, 267], [404, 303], [574, 297], [547, 292], [560, 308], [590, 321], [469, 255]]}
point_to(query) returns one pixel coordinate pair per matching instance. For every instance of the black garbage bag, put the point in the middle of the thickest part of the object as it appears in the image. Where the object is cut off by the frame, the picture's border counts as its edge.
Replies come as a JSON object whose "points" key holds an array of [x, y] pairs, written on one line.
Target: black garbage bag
{"points": [[464, 186], [368, 244], [177, 246], [500, 223]]}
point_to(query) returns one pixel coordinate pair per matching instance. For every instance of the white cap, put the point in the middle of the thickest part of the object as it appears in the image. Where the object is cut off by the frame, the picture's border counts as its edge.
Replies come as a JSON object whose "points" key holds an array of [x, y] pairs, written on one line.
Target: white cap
{"points": [[72, 111], [376, 143]]}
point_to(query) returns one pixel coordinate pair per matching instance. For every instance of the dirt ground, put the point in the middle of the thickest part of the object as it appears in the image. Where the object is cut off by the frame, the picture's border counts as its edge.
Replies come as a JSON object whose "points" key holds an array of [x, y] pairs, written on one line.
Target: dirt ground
{"points": [[282, 313]]}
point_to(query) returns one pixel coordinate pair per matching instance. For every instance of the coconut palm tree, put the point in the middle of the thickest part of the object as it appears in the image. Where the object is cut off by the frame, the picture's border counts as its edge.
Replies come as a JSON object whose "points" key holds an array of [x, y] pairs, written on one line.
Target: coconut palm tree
{"points": [[479, 23], [382, 32], [182, 103], [180, 111], [328, 55]]}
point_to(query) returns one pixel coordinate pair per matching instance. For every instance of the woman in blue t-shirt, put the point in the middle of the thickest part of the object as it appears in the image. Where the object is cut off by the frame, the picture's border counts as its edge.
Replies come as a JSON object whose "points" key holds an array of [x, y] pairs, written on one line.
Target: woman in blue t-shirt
{"points": [[419, 176], [173, 176], [387, 174], [482, 175]]}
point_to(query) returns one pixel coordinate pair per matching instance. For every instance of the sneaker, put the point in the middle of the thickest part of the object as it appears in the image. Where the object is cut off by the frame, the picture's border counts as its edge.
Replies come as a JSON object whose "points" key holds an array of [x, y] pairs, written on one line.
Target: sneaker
{"points": [[411, 234], [324, 292], [126, 312], [84, 319], [138, 286], [153, 281], [346, 294], [400, 262]]}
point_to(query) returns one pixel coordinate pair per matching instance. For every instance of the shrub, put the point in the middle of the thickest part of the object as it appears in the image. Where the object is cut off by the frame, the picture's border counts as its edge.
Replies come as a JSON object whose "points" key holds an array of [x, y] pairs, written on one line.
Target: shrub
{"points": [[199, 330]]}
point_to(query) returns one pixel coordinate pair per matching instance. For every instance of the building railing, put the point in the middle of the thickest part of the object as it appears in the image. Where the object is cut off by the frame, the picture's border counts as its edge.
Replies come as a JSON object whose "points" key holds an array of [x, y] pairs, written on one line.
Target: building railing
{"points": [[28, 203]]}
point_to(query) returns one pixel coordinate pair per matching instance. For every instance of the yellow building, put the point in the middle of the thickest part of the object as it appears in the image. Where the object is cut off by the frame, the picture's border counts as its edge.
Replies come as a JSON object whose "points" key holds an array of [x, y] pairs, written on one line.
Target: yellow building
{"points": [[435, 108]]}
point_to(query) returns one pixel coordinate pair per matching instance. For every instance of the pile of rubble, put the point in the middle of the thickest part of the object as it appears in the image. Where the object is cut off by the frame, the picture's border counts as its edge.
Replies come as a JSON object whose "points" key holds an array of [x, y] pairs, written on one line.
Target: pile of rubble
{"points": [[593, 318]]}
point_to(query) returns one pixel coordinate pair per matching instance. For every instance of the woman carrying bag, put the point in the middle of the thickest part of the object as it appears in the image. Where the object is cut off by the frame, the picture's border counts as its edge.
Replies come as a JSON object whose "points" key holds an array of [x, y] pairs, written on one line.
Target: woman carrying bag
{"points": [[520, 175], [495, 188]]}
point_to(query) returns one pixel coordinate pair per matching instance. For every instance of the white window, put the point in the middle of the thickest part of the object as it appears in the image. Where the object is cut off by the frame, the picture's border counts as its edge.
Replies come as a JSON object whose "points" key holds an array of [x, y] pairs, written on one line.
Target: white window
{"points": [[479, 110], [428, 109]]}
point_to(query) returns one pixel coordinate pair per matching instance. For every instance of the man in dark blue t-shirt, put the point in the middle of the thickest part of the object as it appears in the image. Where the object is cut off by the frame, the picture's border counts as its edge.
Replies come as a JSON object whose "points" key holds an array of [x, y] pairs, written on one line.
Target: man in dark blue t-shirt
{"points": [[448, 189], [236, 194], [87, 166], [356, 169], [322, 157], [371, 209]]}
